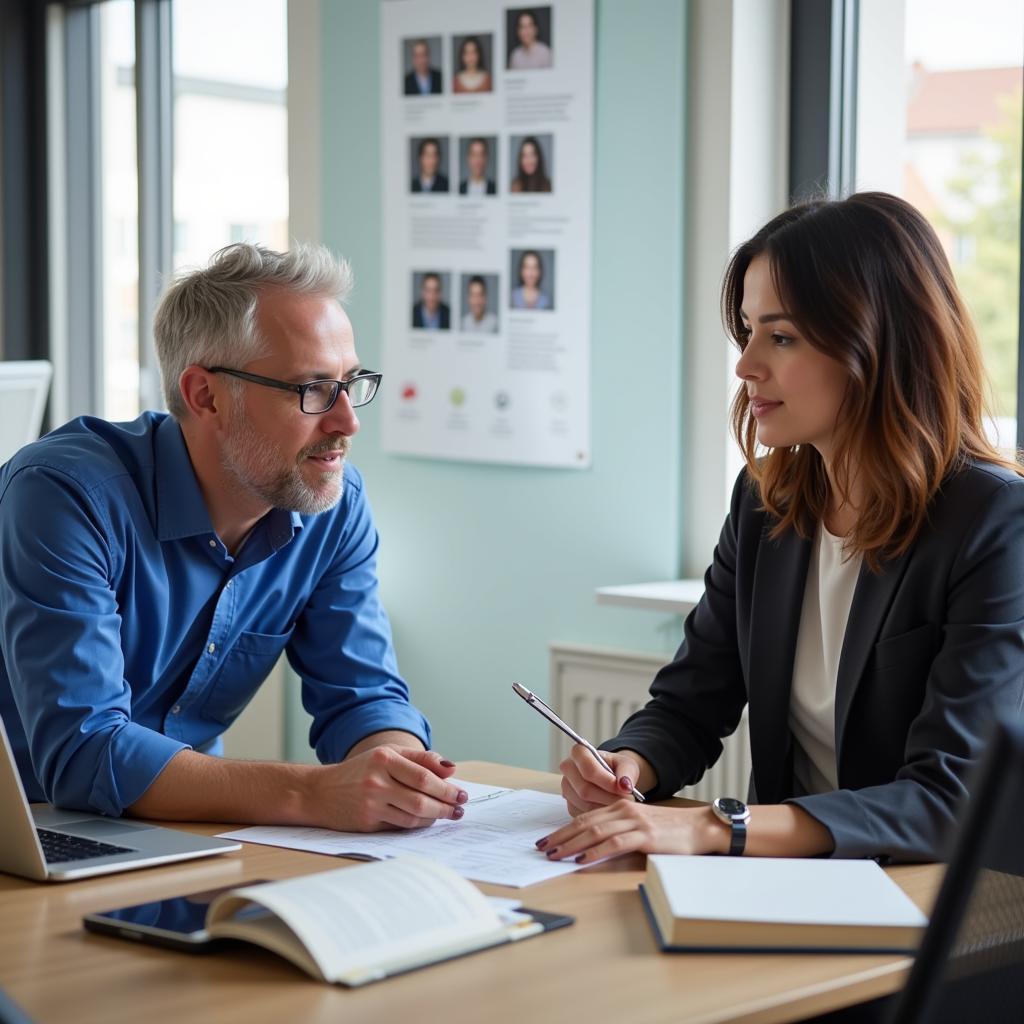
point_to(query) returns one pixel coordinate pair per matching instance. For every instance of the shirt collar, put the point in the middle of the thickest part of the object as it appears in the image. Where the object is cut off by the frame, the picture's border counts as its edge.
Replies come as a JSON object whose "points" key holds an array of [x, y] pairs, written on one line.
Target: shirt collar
{"points": [[281, 525], [181, 510]]}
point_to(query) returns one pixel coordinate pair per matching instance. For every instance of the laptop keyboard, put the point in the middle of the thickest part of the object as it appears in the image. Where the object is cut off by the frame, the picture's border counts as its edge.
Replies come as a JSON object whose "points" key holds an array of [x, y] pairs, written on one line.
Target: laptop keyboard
{"points": [[59, 847]]}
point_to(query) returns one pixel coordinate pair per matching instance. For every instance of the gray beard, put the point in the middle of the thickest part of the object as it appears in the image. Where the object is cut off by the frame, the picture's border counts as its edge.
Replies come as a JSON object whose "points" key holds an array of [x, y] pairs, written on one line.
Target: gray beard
{"points": [[258, 467]]}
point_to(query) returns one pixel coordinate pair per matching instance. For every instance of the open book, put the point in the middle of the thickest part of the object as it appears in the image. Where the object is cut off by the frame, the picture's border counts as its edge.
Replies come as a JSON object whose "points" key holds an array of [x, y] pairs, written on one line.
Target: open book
{"points": [[745, 904], [360, 924]]}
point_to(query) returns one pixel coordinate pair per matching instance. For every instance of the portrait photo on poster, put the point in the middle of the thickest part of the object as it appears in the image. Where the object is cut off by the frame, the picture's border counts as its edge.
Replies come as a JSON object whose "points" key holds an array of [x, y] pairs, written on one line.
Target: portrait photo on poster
{"points": [[528, 39], [478, 165], [421, 64], [428, 163], [479, 303], [532, 279], [472, 61], [432, 300], [531, 163]]}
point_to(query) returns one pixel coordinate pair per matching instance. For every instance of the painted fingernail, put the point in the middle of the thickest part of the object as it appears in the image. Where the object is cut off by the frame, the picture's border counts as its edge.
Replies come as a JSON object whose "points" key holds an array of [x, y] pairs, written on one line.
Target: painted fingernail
{"points": [[552, 851], [448, 764], [457, 812], [626, 783], [581, 858], [462, 797], [541, 843]]}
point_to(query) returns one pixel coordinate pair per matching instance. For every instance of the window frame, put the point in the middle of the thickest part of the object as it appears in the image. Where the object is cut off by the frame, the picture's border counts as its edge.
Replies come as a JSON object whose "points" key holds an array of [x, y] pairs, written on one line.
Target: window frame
{"points": [[24, 259]]}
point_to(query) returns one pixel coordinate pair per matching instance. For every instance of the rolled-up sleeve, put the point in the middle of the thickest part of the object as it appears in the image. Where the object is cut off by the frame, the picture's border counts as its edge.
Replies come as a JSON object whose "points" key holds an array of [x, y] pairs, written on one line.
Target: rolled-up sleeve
{"points": [[60, 629], [342, 647]]}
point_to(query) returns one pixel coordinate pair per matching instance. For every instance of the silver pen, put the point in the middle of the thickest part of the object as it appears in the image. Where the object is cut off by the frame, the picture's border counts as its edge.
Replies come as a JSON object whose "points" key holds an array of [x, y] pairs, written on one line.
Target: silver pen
{"points": [[538, 705]]}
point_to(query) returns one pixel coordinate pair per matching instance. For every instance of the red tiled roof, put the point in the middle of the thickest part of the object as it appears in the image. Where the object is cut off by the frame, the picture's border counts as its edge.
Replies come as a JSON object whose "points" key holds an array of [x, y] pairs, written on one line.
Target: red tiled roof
{"points": [[958, 102]]}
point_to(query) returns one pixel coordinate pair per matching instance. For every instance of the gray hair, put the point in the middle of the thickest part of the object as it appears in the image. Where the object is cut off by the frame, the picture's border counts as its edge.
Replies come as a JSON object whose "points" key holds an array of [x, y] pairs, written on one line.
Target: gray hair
{"points": [[207, 317]]}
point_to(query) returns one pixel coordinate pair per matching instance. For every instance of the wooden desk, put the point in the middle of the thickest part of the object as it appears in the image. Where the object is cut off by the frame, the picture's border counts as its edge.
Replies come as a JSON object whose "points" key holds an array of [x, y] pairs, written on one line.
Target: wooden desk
{"points": [[606, 966]]}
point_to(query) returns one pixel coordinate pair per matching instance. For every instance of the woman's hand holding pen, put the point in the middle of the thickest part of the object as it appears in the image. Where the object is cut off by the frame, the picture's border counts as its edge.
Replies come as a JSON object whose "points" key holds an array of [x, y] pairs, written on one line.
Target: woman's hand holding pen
{"points": [[608, 823], [587, 786], [628, 827]]}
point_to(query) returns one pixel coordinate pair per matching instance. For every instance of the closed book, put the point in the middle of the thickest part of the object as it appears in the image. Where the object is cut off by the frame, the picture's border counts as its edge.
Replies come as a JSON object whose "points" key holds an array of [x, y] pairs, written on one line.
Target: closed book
{"points": [[752, 904]]}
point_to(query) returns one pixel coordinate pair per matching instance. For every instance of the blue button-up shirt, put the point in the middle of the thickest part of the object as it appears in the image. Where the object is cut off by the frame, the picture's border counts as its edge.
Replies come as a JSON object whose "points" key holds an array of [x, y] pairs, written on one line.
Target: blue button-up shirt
{"points": [[128, 632]]}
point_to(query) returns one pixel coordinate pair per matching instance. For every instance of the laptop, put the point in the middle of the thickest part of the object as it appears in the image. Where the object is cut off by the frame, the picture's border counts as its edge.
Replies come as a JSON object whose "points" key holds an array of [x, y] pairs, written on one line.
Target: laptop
{"points": [[970, 966], [52, 845]]}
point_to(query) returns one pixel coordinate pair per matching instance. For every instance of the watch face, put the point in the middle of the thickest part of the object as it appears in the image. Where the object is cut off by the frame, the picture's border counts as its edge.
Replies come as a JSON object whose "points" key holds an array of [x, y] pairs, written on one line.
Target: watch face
{"points": [[731, 806]]}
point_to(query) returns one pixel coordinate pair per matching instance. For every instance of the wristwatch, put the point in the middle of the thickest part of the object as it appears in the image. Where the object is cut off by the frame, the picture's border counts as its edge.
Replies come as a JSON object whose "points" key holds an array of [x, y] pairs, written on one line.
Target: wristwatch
{"points": [[735, 814]]}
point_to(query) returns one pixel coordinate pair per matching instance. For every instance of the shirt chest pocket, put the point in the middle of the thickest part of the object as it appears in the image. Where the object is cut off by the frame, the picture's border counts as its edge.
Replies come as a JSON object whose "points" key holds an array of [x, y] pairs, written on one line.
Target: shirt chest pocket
{"points": [[244, 668]]}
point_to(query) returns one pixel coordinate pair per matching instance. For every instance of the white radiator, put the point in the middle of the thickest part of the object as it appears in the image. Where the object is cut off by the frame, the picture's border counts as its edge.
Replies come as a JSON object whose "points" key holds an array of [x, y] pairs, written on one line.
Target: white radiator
{"points": [[596, 690]]}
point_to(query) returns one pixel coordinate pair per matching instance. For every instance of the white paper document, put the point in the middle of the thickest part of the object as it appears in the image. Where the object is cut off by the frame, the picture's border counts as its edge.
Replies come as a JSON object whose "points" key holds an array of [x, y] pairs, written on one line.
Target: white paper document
{"points": [[493, 842]]}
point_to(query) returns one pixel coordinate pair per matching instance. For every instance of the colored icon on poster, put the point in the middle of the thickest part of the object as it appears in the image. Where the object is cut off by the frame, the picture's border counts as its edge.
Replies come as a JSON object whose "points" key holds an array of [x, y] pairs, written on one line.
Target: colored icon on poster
{"points": [[409, 392], [502, 400], [457, 396]]}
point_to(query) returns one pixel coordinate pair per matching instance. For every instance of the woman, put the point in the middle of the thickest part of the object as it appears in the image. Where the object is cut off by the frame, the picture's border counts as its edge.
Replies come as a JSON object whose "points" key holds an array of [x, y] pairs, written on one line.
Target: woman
{"points": [[866, 597], [531, 175], [472, 75], [528, 294], [531, 53]]}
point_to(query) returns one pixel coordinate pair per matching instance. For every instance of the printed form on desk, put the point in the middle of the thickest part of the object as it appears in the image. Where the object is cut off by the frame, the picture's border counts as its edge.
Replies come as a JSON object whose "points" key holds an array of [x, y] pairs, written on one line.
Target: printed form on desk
{"points": [[492, 842]]}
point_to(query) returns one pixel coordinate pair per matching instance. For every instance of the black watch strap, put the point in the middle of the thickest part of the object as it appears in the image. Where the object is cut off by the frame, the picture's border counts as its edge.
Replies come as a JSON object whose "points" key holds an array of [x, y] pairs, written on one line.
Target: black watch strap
{"points": [[739, 838]]}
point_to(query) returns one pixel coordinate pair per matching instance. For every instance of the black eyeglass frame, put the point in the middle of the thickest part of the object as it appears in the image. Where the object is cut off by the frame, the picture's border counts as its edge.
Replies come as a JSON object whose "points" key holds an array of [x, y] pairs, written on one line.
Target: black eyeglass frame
{"points": [[301, 389]]}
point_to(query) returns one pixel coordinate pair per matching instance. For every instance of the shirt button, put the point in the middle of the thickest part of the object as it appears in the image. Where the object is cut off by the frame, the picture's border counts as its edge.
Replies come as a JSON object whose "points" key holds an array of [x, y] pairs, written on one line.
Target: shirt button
{"points": [[176, 710], [213, 543], [212, 648]]}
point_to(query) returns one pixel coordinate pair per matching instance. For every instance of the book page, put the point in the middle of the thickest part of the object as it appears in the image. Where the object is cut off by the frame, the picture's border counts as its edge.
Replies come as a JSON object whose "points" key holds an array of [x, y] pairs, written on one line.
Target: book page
{"points": [[354, 919], [494, 842]]}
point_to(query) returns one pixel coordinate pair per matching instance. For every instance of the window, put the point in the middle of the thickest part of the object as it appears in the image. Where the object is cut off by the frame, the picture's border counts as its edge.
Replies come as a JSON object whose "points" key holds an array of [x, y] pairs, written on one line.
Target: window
{"points": [[939, 101], [173, 126], [230, 126]]}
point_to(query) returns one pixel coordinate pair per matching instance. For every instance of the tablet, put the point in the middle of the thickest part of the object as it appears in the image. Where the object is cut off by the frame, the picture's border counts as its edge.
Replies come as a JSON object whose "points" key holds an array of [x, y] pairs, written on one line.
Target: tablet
{"points": [[177, 923]]}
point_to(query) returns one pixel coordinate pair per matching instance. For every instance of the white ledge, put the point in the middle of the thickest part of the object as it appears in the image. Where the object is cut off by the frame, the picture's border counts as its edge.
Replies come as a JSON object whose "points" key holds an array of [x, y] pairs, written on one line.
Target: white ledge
{"points": [[671, 596]]}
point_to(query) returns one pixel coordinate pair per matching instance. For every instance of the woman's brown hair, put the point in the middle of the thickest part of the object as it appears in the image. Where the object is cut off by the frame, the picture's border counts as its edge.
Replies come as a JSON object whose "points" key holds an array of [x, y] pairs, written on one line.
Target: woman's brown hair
{"points": [[866, 282]]}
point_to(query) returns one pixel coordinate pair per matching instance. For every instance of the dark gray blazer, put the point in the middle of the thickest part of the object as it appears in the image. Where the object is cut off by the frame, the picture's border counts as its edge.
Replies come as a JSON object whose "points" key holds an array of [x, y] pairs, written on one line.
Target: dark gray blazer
{"points": [[933, 644]]}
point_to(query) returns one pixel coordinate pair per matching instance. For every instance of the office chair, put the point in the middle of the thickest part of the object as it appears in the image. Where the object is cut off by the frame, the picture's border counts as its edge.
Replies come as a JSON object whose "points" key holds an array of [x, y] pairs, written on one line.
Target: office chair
{"points": [[10, 1012], [970, 966]]}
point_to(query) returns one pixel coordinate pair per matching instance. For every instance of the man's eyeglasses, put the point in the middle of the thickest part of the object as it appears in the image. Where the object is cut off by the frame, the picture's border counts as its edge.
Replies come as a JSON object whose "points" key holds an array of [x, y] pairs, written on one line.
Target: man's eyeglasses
{"points": [[317, 396]]}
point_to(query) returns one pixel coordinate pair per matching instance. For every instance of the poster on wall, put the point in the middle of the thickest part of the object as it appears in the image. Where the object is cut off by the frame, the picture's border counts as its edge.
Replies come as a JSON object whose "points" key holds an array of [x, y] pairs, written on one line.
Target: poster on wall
{"points": [[487, 157]]}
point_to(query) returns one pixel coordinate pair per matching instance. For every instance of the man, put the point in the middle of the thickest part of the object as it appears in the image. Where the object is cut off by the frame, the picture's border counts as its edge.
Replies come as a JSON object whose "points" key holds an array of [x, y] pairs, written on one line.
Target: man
{"points": [[430, 312], [151, 573], [428, 157], [476, 182], [423, 80], [476, 318]]}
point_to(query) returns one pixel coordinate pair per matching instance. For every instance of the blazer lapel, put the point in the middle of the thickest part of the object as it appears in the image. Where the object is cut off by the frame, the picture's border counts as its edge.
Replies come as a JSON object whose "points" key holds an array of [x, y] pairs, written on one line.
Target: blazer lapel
{"points": [[776, 603], [871, 601]]}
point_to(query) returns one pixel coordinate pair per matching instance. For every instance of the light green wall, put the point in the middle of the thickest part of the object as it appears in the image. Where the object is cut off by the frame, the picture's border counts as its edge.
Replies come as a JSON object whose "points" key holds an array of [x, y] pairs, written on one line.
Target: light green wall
{"points": [[482, 567]]}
